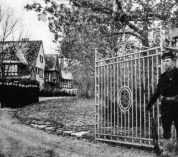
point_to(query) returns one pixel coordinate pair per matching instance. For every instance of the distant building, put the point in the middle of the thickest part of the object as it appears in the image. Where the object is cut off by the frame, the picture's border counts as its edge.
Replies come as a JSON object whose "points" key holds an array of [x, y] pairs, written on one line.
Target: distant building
{"points": [[66, 80], [54, 75], [52, 69], [23, 59]]}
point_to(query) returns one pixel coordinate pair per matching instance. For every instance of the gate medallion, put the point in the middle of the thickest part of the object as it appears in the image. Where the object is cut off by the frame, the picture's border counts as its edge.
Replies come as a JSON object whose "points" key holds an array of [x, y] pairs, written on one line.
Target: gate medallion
{"points": [[125, 100]]}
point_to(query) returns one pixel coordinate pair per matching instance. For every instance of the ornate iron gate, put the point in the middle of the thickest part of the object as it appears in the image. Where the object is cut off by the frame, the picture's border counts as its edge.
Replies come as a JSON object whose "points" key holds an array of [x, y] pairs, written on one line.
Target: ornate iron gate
{"points": [[123, 86]]}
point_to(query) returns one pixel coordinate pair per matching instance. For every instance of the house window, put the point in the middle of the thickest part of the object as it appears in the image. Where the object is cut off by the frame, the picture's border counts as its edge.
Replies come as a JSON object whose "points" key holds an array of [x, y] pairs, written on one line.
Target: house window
{"points": [[11, 70], [41, 58], [40, 72], [47, 77], [37, 70]]}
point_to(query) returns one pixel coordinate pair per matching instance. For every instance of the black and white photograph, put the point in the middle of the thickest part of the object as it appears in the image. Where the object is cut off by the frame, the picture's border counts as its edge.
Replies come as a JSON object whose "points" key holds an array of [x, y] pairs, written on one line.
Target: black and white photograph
{"points": [[88, 78]]}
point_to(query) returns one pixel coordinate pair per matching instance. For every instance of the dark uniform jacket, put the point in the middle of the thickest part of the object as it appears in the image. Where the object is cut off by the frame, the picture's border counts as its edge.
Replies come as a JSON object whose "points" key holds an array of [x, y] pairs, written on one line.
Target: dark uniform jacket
{"points": [[167, 86]]}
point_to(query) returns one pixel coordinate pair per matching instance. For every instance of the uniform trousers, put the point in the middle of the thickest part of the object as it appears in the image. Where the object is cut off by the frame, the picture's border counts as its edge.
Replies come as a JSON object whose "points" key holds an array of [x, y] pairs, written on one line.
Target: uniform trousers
{"points": [[169, 114]]}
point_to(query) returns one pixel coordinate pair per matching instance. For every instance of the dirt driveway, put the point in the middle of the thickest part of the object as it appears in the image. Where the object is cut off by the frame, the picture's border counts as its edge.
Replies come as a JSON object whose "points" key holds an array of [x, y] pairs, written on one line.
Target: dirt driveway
{"points": [[17, 140]]}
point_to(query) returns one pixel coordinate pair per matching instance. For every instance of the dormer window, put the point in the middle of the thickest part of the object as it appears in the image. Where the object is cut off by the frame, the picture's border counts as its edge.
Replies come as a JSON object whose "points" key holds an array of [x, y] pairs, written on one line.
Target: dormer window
{"points": [[41, 58]]}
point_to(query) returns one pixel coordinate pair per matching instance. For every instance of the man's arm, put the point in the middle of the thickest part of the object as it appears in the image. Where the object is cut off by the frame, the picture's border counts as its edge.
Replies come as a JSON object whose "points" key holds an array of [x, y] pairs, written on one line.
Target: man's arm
{"points": [[153, 98], [152, 101]]}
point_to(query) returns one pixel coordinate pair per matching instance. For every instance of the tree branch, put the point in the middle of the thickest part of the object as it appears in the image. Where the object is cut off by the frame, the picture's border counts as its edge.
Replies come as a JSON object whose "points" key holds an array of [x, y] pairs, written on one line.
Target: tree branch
{"points": [[86, 4], [125, 17], [129, 33]]}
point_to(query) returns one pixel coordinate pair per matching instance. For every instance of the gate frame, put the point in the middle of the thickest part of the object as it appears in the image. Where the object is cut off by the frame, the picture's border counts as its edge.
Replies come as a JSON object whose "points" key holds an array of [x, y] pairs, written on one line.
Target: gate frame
{"points": [[97, 96]]}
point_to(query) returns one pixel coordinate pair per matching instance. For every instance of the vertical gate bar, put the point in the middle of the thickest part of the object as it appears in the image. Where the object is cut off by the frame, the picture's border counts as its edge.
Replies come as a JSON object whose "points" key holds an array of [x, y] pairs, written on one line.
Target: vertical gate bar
{"points": [[99, 93], [144, 85], [111, 72], [124, 85], [104, 102], [112, 104], [96, 102], [98, 99], [136, 96], [152, 81], [100, 96], [117, 98], [107, 100], [128, 98], [104, 98], [129, 85], [107, 94], [119, 86], [132, 71], [148, 59], [112, 98], [106, 87], [101, 100], [121, 74], [114, 95], [140, 95]]}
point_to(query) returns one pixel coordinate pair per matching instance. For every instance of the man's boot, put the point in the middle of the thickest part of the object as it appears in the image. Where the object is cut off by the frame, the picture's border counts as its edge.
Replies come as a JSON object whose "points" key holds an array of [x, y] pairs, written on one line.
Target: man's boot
{"points": [[176, 148], [165, 145]]}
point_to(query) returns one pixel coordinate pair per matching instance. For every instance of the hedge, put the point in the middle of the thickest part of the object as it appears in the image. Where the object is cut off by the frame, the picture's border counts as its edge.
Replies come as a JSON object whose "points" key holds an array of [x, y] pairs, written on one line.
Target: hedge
{"points": [[52, 93], [18, 92]]}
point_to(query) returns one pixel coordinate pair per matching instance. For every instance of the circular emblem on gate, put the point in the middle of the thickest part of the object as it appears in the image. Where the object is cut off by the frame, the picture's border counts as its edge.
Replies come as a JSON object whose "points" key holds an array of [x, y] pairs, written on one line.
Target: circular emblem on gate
{"points": [[125, 98]]}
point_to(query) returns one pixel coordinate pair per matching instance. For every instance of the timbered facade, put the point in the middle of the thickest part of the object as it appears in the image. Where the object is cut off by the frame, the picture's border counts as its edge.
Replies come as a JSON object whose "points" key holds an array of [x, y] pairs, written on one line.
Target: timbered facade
{"points": [[23, 59]]}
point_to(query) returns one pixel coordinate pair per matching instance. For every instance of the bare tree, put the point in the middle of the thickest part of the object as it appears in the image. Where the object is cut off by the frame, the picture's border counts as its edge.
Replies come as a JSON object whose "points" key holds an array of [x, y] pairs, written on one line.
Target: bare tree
{"points": [[8, 25]]}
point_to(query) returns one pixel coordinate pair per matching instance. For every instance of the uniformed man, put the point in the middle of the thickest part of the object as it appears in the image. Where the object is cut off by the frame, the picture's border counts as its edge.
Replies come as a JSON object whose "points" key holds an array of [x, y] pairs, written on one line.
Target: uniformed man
{"points": [[167, 90]]}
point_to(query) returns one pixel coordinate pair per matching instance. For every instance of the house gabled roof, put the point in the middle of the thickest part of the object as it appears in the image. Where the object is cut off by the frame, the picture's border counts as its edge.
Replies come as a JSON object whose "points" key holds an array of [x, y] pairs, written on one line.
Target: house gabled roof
{"points": [[51, 62], [66, 75], [25, 52]]}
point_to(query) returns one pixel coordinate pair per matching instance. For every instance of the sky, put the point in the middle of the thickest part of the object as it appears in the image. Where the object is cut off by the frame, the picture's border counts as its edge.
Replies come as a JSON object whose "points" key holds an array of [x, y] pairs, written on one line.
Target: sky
{"points": [[29, 24]]}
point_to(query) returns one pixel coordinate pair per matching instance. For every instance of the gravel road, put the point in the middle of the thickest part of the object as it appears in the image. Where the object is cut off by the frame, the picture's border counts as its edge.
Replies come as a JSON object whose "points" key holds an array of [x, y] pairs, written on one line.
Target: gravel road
{"points": [[17, 140]]}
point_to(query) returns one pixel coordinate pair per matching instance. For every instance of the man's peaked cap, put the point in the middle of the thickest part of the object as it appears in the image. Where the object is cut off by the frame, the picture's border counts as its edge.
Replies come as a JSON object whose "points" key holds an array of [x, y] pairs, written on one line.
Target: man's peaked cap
{"points": [[168, 55]]}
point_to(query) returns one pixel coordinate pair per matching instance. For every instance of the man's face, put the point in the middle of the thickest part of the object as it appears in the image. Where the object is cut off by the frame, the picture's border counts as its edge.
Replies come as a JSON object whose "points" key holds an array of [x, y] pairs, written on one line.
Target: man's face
{"points": [[168, 63]]}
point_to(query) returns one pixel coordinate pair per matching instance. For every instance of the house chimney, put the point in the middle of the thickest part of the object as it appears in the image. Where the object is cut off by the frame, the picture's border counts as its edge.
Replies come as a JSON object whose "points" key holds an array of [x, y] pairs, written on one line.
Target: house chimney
{"points": [[25, 39]]}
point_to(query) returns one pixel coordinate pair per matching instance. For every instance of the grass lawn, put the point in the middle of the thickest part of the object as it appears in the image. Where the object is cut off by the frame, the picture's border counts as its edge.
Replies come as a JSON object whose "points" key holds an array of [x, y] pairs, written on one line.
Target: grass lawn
{"points": [[72, 113], [75, 115]]}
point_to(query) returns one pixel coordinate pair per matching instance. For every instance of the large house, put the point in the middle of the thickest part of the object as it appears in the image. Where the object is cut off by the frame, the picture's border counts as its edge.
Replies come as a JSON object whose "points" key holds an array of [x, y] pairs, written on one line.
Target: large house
{"points": [[26, 59], [23, 59]]}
